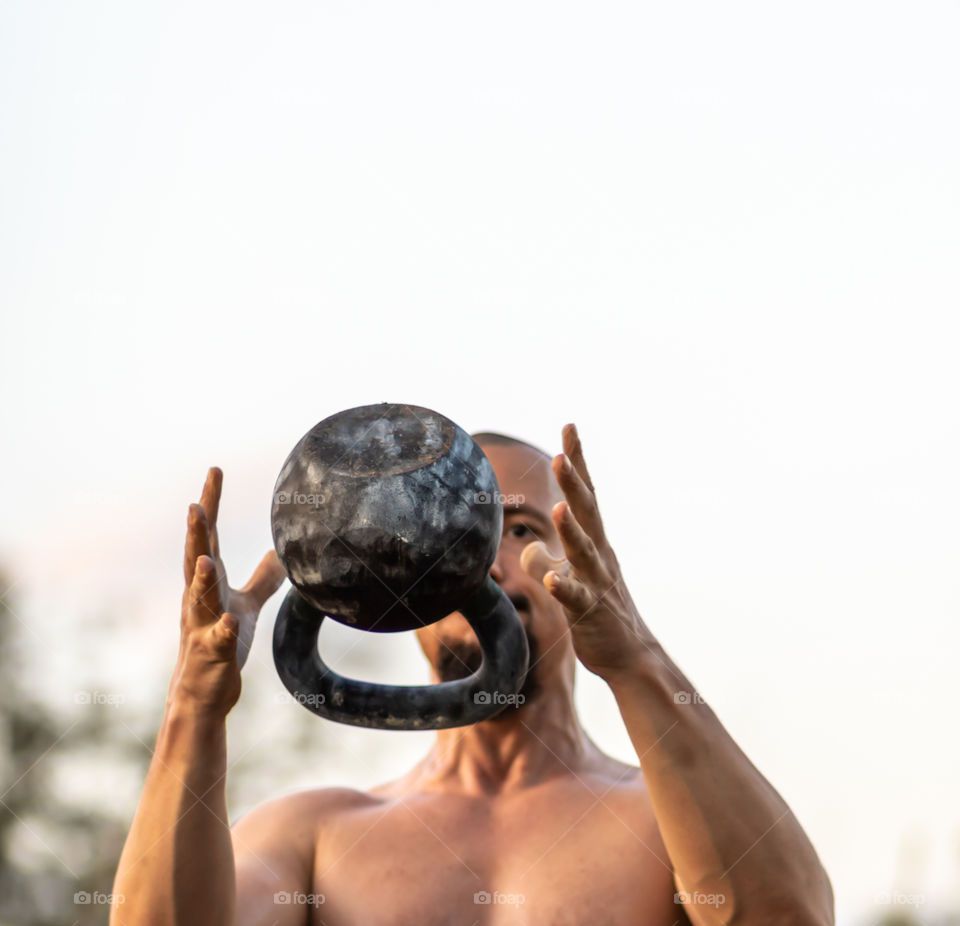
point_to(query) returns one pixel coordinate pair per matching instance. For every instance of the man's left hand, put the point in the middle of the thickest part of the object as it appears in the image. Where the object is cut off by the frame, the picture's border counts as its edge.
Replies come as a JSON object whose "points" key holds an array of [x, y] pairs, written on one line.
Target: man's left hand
{"points": [[608, 632]]}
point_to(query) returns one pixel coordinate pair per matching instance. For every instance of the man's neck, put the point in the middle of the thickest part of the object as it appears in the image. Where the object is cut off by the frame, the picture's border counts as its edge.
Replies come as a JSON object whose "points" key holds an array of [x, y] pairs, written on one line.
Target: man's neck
{"points": [[519, 748]]}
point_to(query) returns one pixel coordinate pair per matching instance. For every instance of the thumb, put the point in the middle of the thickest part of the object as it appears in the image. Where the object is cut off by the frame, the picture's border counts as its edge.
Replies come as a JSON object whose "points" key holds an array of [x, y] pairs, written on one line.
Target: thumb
{"points": [[536, 561], [266, 579]]}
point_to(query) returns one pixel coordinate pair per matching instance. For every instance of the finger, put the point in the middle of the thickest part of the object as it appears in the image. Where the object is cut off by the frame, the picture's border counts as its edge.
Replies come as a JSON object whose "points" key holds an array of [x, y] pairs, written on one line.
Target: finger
{"points": [[570, 592], [266, 579], [198, 541], [210, 502], [580, 549], [210, 496], [536, 561], [205, 604], [581, 498], [574, 449]]}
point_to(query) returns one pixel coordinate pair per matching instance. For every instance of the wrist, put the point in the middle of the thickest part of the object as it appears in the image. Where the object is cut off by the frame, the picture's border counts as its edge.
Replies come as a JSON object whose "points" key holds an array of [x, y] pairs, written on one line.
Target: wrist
{"points": [[643, 666], [203, 701], [653, 679], [189, 726], [184, 709]]}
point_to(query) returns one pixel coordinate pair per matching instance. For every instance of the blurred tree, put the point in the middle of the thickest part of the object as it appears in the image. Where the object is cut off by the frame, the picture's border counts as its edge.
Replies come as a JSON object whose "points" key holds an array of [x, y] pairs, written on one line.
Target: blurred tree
{"points": [[72, 768], [57, 858]]}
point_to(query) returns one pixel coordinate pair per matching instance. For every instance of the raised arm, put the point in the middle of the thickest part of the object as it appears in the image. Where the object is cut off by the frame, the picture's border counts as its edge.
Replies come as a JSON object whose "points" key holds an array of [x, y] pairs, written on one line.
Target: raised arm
{"points": [[177, 865], [738, 852]]}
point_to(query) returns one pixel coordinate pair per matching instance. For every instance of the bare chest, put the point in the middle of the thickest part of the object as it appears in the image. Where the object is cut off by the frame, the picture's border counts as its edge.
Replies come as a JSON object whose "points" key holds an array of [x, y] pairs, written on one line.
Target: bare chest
{"points": [[440, 861]]}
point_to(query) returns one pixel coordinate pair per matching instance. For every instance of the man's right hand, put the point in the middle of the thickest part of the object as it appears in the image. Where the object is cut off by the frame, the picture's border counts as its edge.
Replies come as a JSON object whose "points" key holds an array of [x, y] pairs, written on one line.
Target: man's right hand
{"points": [[217, 622]]}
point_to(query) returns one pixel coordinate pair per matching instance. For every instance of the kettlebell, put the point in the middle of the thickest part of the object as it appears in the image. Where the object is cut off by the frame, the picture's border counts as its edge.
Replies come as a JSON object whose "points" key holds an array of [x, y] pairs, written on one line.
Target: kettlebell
{"points": [[388, 518]]}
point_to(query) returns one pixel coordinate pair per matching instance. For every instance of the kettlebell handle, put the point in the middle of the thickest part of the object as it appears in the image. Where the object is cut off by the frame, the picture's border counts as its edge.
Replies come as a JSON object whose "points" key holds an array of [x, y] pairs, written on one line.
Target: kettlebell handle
{"points": [[480, 696]]}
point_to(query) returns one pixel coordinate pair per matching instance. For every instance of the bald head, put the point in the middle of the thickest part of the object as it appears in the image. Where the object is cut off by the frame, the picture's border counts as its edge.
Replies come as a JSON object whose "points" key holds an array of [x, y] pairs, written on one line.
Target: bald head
{"points": [[496, 439], [521, 465]]}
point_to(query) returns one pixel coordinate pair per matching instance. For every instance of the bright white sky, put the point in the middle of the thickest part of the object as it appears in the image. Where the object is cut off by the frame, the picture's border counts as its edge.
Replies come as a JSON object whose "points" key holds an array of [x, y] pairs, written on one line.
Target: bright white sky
{"points": [[722, 238]]}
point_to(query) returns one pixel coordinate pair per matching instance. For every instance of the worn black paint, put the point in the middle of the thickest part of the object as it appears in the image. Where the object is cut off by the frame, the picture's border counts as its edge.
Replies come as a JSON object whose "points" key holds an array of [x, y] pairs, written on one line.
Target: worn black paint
{"points": [[387, 518], [404, 707]]}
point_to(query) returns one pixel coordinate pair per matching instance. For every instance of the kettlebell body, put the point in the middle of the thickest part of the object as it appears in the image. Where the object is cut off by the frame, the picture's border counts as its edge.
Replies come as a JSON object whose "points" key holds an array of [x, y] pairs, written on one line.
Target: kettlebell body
{"points": [[387, 518]]}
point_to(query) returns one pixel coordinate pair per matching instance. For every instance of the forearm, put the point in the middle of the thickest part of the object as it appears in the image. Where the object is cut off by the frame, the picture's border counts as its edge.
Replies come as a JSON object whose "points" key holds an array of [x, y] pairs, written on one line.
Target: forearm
{"points": [[735, 846], [177, 865]]}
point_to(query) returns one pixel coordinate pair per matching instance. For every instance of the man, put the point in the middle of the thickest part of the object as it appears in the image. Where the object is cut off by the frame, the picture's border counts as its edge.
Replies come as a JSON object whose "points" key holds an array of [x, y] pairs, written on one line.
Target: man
{"points": [[518, 819]]}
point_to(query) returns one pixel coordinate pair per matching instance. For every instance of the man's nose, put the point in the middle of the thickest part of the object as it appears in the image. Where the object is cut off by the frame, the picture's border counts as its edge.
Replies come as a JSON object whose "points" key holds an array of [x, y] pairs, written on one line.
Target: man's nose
{"points": [[496, 570]]}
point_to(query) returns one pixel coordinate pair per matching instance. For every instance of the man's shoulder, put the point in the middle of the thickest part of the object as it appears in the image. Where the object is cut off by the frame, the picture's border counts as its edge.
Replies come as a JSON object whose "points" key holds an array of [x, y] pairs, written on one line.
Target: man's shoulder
{"points": [[617, 775], [621, 787], [310, 807]]}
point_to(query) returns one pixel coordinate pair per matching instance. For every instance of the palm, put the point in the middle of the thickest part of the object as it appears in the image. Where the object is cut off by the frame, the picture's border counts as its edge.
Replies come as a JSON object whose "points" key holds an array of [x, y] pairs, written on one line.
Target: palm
{"points": [[243, 603]]}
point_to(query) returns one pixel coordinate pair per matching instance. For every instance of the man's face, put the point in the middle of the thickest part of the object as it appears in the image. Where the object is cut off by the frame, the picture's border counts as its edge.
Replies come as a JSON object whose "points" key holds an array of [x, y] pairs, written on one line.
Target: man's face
{"points": [[528, 484]]}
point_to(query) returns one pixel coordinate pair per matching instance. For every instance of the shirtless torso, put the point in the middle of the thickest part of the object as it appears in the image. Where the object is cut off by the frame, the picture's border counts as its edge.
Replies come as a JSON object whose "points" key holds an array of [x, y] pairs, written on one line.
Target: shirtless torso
{"points": [[580, 847]]}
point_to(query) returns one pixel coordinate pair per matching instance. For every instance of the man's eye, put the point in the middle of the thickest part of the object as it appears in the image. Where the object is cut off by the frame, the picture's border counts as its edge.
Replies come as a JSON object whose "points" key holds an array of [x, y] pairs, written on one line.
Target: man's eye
{"points": [[520, 531]]}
